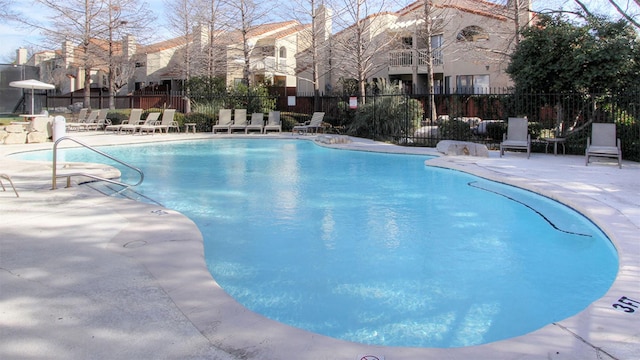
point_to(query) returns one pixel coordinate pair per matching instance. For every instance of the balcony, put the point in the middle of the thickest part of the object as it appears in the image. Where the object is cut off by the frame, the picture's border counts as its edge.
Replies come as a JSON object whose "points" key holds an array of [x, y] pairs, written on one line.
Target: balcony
{"points": [[269, 64], [404, 61]]}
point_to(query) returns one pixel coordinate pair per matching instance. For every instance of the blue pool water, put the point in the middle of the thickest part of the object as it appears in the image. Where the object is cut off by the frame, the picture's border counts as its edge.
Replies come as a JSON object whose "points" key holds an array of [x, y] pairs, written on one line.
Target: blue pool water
{"points": [[375, 248]]}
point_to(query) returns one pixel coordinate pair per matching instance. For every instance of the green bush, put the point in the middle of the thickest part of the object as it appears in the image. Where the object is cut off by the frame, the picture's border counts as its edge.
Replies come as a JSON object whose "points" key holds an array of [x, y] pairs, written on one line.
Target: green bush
{"points": [[204, 122], [496, 130], [179, 118], [117, 117], [455, 130], [291, 119], [629, 134], [535, 129], [388, 118]]}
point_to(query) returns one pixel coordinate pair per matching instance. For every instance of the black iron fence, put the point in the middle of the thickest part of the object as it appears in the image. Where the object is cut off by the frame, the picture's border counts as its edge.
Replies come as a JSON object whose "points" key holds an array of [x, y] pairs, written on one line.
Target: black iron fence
{"points": [[404, 119]]}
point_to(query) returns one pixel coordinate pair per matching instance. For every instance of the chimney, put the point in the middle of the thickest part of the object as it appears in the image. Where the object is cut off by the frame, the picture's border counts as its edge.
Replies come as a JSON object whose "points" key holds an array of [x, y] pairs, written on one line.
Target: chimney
{"points": [[67, 52], [128, 46], [200, 37], [21, 56]]}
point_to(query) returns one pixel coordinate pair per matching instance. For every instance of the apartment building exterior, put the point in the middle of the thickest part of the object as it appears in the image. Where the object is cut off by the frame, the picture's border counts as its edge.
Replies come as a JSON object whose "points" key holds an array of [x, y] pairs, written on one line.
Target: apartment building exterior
{"points": [[163, 65], [470, 44]]}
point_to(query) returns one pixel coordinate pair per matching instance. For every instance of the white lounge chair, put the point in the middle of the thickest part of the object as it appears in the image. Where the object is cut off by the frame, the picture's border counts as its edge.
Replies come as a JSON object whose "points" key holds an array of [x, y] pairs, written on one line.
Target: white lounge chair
{"points": [[84, 117], [273, 122], [517, 136], [151, 118], [224, 121], [314, 124], [91, 121], [165, 124], [239, 120], [134, 118], [603, 143], [257, 123], [100, 121]]}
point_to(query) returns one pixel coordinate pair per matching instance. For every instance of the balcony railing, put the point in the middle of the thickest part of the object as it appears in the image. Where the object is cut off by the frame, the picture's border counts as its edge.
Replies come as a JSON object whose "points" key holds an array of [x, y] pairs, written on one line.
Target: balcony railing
{"points": [[414, 57], [269, 64]]}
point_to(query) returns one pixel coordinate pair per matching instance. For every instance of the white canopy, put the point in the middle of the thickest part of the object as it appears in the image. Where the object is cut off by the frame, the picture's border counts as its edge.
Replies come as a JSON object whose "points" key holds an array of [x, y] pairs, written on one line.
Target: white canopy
{"points": [[32, 84]]}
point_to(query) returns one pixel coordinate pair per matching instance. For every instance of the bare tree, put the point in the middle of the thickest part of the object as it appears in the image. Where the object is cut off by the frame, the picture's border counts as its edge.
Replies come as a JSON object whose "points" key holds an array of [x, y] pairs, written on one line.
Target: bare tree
{"points": [[211, 54], [89, 25], [6, 10], [629, 10], [428, 32], [77, 22], [121, 18], [182, 16], [363, 39], [247, 15], [318, 38]]}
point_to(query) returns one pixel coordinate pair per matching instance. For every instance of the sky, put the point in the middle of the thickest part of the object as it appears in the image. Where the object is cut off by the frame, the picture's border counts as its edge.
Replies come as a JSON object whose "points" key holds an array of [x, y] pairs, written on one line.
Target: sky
{"points": [[13, 37]]}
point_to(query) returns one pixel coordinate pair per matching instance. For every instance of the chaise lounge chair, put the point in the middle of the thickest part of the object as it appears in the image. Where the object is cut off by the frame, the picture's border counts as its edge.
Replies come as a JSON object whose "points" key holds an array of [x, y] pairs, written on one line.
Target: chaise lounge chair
{"points": [[603, 143], [224, 121], [314, 124], [83, 122], [151, 118], [517, 136], [257, 123], [165, 124], [273, 122], [239, 120], [100, 121], [134, 118], [91, 122], [80, 119]]}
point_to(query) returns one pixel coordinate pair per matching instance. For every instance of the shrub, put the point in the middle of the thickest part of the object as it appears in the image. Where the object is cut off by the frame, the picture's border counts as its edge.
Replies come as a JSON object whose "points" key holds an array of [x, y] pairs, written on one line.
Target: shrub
{"points": [[203, 122], [535, 129], [454, 130], [389, 118], [290, 119], [117, 117], [496, 130]]}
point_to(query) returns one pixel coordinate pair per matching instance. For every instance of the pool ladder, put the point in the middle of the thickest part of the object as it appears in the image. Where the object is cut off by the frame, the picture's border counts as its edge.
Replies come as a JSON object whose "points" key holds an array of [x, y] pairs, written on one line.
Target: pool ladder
{"points": [[92, 176]]}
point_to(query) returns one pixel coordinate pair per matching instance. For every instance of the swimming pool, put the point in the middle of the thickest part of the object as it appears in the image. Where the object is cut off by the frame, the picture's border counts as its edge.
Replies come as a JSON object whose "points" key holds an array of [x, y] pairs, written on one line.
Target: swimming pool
{"points": [[377, 248]]}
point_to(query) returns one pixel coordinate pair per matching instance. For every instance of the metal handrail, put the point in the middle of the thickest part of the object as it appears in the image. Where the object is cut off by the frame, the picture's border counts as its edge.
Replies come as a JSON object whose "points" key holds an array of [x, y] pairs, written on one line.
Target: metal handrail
{"points": [[68, 176]]}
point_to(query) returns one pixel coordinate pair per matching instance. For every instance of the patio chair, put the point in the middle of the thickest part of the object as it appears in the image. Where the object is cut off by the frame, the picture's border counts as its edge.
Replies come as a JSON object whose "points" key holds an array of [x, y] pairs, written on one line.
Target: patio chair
{"points": [[273, 122], [224, 121], [239, 120], [84, 117], [8, 178], [151, 118], [165, 124], [517, 136], [90, 122], [100, 121], [314, 124], [257, 123], [603, 143], [134, 118]]}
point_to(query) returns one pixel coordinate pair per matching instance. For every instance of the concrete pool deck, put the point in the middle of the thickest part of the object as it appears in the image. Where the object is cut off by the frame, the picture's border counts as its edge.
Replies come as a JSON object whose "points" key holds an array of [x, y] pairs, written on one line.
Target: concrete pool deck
{"points": [[83, 275]]}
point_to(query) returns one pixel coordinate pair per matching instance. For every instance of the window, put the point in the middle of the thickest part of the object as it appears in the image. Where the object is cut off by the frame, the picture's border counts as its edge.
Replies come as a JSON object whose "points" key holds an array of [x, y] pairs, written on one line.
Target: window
{"points": [[268, 50], [140, 64], [283, 52], [407, 42], [436, 51], [436, 41], [472, 33], [472, 84]]}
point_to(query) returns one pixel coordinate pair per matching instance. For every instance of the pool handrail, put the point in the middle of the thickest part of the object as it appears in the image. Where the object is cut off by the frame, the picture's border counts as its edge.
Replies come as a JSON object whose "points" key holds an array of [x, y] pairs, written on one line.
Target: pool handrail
{"points": [[68, 176]]}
